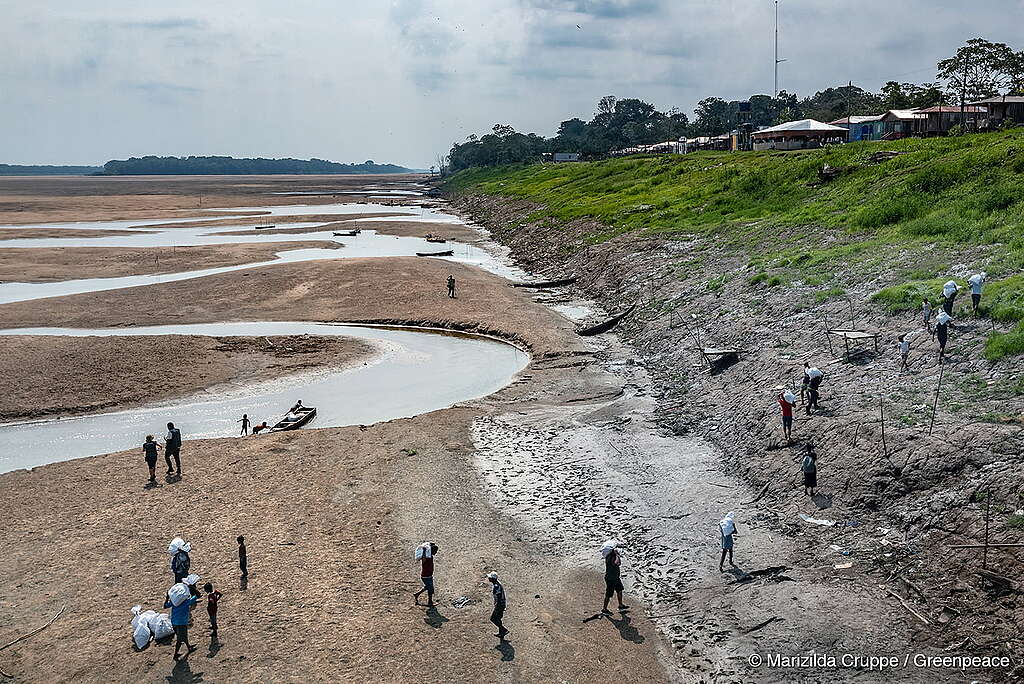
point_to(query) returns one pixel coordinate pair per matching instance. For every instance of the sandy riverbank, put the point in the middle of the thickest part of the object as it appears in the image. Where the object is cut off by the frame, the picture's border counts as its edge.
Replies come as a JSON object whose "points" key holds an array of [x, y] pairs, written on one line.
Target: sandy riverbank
{"points": [[47, 264], [331, 516], [71, 375]]}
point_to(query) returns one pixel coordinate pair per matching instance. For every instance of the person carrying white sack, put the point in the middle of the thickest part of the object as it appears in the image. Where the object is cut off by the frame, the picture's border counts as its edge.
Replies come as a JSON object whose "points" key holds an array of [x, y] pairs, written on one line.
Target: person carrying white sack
{"points": [[612, 573], [425, 553], [727, 531], [180, 559], [976, 281], [949, 291], [180, 600], [942, 322]]}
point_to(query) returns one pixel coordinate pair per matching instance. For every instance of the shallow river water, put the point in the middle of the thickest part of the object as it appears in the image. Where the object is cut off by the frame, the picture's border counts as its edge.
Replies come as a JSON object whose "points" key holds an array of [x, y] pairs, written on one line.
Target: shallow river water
{"points": [[415, 371]]}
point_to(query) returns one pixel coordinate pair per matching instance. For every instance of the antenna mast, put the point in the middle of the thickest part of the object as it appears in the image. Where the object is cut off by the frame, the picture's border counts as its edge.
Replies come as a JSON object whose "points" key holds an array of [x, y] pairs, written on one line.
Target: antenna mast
{"points": [[777, 60]]}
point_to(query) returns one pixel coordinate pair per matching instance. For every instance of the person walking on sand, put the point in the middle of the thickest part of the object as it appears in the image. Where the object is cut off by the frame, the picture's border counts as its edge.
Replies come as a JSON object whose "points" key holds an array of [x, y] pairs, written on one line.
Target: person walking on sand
{"points": [[172, 447], [904, 347], [451, 286], [243, 556], [212, 597], [180, 559], [787, 400], [926, 314], [727, 531], [149, 449], [612, 573], [810, 470], [942, 322], [805, 382], [425, 553], [498, 613], [181, 614], [245, 423], [976, 282], [949, 291], [814, 378]]}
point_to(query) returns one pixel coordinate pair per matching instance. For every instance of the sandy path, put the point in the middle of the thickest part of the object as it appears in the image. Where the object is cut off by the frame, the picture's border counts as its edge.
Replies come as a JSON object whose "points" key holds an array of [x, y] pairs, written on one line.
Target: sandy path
{"points": [[71, 375], [47, 264]]}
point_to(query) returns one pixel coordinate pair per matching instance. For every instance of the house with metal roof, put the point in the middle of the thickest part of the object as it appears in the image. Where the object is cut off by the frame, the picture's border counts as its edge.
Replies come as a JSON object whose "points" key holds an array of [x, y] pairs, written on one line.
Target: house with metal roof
{"points": [[942, 118], [1002, 108], [902, 123], [861, 127], [804, 134]]}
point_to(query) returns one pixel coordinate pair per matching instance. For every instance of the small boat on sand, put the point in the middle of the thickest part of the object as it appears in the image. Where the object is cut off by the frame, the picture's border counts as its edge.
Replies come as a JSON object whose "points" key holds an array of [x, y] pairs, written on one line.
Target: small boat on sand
{"points": [[351, 233], [450, 252], [294, 420], [540, 284], [605, 326]]}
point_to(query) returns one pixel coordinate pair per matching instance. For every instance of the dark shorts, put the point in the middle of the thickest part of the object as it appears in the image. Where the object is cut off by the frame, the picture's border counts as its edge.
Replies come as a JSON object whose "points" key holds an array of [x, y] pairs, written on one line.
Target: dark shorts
{"points": [[975, 299], [727, 543], [181, 631], [151, 461], [811, 479], [612, 585], [497, 614], [787, 421], [428, 584]]}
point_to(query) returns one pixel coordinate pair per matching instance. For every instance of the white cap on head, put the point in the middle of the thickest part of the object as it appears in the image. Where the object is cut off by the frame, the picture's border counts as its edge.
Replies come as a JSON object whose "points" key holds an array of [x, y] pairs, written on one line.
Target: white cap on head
{"points": [[492, 575]]}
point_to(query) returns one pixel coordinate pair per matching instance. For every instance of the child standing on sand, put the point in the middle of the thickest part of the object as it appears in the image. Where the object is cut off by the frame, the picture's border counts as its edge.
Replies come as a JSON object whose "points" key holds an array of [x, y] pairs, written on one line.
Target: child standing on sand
{"points": [[149, 448], [212, 597]]}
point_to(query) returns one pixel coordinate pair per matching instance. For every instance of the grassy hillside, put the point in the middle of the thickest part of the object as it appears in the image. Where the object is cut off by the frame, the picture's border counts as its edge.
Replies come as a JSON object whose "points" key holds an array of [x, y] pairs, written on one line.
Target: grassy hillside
{"points": [[960, 193]]}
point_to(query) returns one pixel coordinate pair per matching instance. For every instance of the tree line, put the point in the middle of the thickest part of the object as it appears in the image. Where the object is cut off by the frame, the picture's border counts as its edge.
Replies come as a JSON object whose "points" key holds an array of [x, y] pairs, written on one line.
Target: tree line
{"points": [[201, 166], [978, 70]]}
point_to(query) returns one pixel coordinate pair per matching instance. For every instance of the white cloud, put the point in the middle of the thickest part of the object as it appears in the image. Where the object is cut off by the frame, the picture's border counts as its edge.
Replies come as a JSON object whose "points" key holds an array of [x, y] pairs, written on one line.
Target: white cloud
{"points": [[400, 81]]}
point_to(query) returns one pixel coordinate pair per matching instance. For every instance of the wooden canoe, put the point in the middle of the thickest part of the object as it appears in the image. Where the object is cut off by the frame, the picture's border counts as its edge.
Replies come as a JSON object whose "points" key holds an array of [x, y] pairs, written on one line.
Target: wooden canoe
{"points": [[606, 325], [305, 414], [548, 283], [449, 252], [436, 239], [351, 233]]}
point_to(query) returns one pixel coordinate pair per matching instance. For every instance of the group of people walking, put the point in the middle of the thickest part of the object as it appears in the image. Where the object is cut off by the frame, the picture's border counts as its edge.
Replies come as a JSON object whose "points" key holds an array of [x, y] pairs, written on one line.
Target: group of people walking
{"points": [[184, 594], [171, 448], [427, 551]]}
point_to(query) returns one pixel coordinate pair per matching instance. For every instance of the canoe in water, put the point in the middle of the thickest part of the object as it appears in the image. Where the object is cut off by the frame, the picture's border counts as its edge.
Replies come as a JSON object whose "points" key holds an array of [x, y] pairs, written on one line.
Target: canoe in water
{"points": [[449, 252]]}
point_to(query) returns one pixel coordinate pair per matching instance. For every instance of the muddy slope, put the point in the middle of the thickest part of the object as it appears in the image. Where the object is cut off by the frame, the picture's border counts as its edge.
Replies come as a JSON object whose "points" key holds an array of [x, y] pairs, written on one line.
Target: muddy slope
{"points": [[894, 506]]}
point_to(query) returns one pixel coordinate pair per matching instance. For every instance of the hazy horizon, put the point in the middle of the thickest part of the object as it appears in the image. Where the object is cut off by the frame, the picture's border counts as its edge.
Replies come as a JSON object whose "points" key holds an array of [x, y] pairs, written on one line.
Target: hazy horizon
{"points": [[399, 82]]}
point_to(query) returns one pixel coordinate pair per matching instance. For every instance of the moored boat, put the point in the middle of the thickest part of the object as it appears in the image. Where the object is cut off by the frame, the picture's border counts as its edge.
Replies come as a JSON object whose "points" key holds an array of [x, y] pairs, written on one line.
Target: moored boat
{"points": [[295, 419]]}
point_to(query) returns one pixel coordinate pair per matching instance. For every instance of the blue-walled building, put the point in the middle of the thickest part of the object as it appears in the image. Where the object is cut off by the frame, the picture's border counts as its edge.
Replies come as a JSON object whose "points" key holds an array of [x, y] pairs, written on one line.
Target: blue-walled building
{"points": [[861, 127]]}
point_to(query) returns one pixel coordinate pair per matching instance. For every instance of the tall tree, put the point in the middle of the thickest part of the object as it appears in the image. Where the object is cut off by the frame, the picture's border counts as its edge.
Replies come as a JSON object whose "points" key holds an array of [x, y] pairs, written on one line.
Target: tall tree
{"points": [[980, 69]]}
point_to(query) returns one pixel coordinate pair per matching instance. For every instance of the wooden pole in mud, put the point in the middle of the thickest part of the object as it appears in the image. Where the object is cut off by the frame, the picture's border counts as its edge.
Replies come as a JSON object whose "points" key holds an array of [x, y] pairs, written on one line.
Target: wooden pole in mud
{"points": [[988, 508], [935, 403], [881, 413]]}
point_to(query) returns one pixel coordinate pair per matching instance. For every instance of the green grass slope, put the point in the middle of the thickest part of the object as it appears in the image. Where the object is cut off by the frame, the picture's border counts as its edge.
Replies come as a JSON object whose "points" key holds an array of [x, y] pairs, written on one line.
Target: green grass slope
{"points": [[961, 192]]}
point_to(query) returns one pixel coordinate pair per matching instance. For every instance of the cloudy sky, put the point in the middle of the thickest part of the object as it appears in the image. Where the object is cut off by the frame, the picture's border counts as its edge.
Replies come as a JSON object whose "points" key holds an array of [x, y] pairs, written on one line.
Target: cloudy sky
{"points": [[399, 81]]}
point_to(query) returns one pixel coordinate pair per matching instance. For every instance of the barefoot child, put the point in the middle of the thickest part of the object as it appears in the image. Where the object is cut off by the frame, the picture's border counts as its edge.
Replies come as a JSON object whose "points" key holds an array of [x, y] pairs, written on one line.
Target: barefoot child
{"points": [[425, 553], [212, 597]]}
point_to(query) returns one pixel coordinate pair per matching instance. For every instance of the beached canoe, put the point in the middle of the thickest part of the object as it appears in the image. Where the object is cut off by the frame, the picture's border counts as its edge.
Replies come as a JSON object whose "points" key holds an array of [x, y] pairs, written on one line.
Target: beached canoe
{"points": [[449, 252], [351, 233], [606, 325], [303, 416]]}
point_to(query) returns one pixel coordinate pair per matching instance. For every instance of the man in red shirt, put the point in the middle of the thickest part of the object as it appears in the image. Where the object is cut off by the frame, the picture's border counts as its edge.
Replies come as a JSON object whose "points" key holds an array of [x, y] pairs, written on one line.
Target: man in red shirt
{"points": [[425, 555], [787, 400]]}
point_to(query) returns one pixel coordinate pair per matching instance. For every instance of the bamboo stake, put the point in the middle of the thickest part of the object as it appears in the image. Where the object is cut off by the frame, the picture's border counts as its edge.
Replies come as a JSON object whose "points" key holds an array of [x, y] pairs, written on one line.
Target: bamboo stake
{"points": [[881, 413], [35, 631]]}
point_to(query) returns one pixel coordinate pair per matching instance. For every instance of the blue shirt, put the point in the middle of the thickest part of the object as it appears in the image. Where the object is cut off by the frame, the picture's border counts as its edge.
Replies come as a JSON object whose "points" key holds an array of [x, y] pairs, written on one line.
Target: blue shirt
{"points": [[180, 614]]}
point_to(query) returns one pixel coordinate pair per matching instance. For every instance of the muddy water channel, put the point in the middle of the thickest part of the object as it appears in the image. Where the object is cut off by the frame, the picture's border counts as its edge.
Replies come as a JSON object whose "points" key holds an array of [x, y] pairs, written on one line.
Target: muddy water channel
{"points": [[413, 372]]}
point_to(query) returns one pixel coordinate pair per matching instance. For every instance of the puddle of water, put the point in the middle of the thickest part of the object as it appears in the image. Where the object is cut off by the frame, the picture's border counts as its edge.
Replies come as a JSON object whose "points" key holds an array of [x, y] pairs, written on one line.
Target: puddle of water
{"points": [[416, 372]]}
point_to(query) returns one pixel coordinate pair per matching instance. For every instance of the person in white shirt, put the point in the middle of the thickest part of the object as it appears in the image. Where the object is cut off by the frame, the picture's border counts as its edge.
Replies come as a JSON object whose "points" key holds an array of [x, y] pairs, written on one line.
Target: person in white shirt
{"points": [[815, 377], [904, 346], [976, 282]]}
